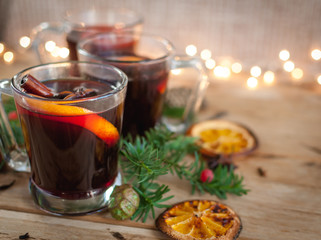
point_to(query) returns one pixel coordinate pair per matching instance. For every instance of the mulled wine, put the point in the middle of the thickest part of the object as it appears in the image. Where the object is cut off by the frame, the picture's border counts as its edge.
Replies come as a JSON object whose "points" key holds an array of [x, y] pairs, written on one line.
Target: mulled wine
{"points": [[146, 83], [72, 151], [145, 91], [146, 60], [78, 33]]}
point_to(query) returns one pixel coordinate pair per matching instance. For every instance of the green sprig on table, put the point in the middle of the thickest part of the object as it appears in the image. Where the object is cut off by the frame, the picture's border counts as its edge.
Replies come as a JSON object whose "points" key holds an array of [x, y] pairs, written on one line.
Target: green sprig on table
{"points": [[160, 152], [9, 106]]}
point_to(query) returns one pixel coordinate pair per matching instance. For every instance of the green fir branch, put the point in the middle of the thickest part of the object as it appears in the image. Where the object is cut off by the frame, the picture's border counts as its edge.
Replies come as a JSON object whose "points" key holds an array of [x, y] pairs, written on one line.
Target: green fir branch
{"points": [[160, 152]]}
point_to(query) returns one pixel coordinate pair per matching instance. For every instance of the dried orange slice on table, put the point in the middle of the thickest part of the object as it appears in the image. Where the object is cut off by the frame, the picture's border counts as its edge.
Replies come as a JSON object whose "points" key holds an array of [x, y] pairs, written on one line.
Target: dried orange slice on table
{"points": [[222, 137], [200, 219]]}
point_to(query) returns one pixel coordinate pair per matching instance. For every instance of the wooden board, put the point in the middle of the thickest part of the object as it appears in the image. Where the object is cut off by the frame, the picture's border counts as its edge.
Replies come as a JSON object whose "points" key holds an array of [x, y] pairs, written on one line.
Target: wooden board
{"points": [[283, 204]]}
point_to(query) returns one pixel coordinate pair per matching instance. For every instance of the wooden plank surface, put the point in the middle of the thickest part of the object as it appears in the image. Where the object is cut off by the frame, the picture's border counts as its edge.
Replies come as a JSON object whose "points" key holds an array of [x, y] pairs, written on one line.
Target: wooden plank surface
{"points": [[284, 204]]}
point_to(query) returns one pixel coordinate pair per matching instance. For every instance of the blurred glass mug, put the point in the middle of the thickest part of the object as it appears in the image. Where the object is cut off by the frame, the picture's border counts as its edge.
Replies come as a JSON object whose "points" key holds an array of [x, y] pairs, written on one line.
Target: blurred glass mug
{"points": [[54, 41], [72, 142], [10, 151], [147, 60]]}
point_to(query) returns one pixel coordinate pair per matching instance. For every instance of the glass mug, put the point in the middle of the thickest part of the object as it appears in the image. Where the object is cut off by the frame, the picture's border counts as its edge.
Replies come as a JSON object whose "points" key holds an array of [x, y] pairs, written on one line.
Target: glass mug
{"points": [[53, 39], [72, 143], [147, 61]]}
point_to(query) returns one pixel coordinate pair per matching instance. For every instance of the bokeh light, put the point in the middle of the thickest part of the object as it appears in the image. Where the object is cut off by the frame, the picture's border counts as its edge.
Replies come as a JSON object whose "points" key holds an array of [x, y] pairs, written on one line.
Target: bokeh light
{"points": [[50, 46], [297, 73], [269, 77], [236, 67], [255, 71], [24, 41], [319, 79], [55, 51], [63, 52], [1, 48], [284, 55], [210, 63], [191, 50], [8, 57], [206, 54], [288, 66], [252, 82], [316, 54], [222, 72]]}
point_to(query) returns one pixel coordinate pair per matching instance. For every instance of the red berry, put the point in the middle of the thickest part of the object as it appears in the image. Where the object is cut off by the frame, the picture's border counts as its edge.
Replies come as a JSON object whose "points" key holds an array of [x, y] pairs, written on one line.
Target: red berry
{"points": [[13, 115], [207, 175]]}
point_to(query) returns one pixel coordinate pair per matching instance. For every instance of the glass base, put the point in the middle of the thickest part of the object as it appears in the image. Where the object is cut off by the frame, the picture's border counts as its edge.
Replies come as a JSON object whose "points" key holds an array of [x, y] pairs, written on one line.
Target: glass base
{"points": [[174, 125], [61, 206]]}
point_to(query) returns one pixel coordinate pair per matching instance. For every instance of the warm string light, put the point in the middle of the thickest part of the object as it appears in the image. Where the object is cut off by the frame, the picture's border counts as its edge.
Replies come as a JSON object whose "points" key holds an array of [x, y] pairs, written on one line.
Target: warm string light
{"points": [[210, 63], [1, 48], [191, 50], [288, 66], [8, 57], [56, 51], [63, 52], [236, 67], [316, 54], [319, 79], [284, 55], [252, 83], [50, 46], [206, 54], [255, 71], [269, 77], [226, 67], [24, 41], [297, 73], [222, 72]]}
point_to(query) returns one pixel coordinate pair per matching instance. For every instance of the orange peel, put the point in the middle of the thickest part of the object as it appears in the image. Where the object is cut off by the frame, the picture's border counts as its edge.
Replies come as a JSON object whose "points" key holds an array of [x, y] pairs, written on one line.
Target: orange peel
{"points": [[59, 111]]}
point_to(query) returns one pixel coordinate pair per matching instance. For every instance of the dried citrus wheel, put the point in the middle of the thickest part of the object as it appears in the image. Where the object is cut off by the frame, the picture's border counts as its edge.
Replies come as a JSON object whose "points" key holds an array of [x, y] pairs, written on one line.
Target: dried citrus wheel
{"points": [[217, 137], [75, 115], [200, 219]]}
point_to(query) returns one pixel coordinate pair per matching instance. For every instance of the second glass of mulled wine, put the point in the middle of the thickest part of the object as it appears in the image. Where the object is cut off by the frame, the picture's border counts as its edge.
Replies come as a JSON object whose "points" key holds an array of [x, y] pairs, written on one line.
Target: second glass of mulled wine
{"points": [[147, 61], [71, 117]]}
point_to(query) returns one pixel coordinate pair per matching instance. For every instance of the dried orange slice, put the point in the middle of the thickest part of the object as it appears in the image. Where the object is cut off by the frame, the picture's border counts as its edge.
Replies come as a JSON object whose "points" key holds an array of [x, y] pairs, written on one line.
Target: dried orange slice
{"points": [[200, 219], [75, 115], [218, 137]]}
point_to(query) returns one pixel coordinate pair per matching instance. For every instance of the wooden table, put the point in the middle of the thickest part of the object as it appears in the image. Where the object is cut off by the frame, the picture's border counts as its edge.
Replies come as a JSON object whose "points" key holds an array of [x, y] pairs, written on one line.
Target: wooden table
{"points": [[283, 204]]}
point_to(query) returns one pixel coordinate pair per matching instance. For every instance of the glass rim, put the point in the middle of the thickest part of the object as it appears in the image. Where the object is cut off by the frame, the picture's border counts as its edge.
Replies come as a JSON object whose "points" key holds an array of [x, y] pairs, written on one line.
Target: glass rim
{"points": [[72, 12], [120, 73], [166, 43]]}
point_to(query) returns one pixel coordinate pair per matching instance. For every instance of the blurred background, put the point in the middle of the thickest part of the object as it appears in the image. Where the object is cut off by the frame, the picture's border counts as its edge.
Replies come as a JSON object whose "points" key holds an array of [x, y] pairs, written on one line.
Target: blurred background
{"points": [[250, 32]]}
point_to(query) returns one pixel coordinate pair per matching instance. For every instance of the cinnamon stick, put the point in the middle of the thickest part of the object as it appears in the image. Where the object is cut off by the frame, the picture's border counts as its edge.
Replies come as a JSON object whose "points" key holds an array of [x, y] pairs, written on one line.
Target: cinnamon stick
{"points": [[31, 85]]}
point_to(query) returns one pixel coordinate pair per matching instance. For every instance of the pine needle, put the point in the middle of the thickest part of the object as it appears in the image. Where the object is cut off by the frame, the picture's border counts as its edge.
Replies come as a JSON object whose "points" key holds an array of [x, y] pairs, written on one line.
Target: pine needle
{"points": [[161, 152]]}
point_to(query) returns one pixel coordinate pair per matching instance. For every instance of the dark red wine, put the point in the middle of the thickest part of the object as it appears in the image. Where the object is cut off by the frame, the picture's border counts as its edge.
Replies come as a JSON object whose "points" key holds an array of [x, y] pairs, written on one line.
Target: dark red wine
{"points": [[67, 158], [145, 91], [79, 33]]}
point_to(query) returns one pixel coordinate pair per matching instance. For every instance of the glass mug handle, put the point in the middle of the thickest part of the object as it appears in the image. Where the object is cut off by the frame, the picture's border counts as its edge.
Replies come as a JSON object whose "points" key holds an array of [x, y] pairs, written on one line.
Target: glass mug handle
{"points": [[16, 158], [39, 36], [193, 98]]}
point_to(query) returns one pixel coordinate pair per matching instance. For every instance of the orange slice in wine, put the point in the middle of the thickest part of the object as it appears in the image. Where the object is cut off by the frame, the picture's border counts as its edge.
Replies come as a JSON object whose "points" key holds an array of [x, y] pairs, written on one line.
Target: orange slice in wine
{"points": [[75, 115], [200, 219]]}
